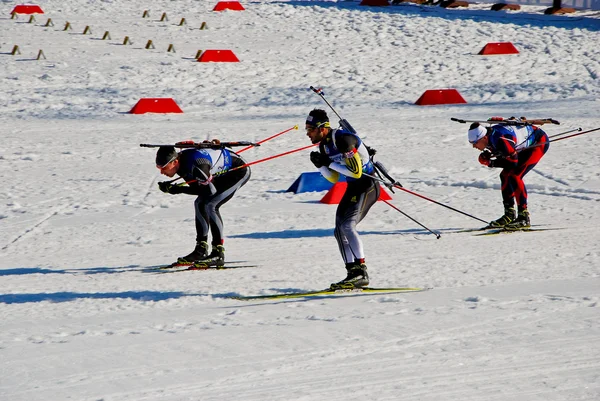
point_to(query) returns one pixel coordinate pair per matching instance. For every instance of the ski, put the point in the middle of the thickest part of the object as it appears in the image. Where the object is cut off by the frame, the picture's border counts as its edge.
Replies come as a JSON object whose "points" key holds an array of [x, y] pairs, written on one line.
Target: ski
{"points": [[173, 266], [203, 268], [470, 230], [180, 266], [498, 231], [329, 292], [488, 228]]}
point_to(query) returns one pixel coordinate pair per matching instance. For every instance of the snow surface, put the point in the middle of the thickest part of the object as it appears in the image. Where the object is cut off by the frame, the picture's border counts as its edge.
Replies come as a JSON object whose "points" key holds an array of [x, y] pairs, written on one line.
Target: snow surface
{"points": [[509, 317]]}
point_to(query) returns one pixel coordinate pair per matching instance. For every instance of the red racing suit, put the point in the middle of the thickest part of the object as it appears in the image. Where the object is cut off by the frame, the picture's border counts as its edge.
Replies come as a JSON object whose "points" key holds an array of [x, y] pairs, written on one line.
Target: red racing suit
{"points": [[517, 149]]}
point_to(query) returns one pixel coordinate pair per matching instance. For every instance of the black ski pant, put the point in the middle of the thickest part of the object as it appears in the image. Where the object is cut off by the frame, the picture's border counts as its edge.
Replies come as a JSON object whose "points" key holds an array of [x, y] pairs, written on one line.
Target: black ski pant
{"points": [[354, 206]]}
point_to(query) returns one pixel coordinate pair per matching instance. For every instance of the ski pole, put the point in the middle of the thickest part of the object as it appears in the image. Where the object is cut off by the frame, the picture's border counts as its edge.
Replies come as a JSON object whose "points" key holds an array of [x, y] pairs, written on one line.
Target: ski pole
{"points": [[566, 132], [253, 163], [270, 158], [437, 235], [259, 161], [268, 139], [551, 136], [560, 139], [426, 198], [571, 136]]}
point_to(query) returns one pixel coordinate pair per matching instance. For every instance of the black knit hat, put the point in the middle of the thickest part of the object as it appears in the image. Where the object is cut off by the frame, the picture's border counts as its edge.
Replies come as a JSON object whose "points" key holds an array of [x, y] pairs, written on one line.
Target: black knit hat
{"points": [[165, 155], [317, 118]]}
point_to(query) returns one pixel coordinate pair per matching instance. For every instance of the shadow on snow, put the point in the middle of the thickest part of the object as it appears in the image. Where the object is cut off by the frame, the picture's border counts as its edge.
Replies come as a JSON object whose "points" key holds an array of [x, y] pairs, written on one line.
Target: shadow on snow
{"points": [[144, 296], [317, 233], [91, 270]]}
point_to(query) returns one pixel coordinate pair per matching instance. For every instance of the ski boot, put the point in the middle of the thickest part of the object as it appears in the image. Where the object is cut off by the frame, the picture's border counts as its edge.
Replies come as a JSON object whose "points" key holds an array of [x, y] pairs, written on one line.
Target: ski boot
{"points": [[216, 259], [521, 222], [199, 252], [357, 277], [507, 218]]}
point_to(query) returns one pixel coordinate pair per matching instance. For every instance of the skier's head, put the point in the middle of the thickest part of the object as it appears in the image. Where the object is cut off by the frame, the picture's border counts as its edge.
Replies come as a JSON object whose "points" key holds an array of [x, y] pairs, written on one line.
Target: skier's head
{"points": [[317, 118], [478, 136], [317, 125], [167, 160]]}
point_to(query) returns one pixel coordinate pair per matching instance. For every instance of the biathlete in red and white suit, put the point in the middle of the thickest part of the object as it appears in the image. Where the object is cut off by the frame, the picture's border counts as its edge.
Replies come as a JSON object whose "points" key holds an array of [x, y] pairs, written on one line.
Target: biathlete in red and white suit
{"points": [[516, 149]]}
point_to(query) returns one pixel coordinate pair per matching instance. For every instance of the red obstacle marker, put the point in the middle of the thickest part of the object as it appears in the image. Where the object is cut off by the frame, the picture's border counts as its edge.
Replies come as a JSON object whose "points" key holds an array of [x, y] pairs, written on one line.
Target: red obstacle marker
{"points": [[440, 96], [498, 48], [374, 3], [335, 194], [218, 56], [27, 9], [155, 105], [229, 5]]}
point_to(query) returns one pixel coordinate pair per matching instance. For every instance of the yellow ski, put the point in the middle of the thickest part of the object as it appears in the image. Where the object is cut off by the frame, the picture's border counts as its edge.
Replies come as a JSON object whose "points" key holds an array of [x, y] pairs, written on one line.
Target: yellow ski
{"points": [[328, 292]]}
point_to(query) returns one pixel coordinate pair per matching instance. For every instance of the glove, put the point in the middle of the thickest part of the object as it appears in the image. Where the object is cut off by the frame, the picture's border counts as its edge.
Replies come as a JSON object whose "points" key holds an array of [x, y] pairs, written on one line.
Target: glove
{"points": [[485, 158], [319, 159], [168, 188]]}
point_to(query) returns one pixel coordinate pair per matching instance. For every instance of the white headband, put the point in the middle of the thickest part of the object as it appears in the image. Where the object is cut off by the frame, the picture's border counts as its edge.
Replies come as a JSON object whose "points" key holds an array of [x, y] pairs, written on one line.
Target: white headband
{"points": [[476, 134]]}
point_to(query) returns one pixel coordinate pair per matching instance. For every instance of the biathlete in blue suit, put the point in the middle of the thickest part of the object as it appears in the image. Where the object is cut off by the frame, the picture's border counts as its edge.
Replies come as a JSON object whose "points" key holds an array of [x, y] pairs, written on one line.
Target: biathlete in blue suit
{"points": [[516, 149], [343, 153], [205, 172]]}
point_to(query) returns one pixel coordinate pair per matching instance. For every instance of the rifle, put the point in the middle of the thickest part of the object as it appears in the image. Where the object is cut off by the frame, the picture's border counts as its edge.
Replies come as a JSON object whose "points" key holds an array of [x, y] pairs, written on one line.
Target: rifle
{"points": [[501, 121], [203, 145]]}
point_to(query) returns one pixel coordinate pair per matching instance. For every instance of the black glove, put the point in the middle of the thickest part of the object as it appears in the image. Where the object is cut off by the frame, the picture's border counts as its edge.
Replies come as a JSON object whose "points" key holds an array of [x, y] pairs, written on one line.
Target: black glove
{"points": [[168, 188], [319, 159]]}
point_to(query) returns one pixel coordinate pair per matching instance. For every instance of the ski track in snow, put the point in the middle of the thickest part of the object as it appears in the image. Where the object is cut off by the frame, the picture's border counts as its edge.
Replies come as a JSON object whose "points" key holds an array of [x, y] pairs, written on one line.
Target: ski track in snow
{"points": [[461, 351]]}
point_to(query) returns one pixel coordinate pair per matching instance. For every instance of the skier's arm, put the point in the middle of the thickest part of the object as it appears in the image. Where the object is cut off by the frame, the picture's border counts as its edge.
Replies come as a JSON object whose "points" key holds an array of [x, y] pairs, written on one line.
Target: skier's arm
{"points": [[351, 164], [322, 161], [330, 175], [507, 155], [199, 181]]}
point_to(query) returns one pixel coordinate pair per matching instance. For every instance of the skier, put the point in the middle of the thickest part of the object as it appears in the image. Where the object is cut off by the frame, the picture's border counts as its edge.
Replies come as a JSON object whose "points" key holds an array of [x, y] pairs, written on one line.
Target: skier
{"points": [[342, 152], [516, 149], [200, 169]]}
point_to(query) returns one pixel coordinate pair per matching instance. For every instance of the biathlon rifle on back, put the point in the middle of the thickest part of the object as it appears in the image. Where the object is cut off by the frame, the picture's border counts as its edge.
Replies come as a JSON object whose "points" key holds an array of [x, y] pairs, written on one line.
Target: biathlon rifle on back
{"points": [[214, 144], [509, 121], [380, 169]]}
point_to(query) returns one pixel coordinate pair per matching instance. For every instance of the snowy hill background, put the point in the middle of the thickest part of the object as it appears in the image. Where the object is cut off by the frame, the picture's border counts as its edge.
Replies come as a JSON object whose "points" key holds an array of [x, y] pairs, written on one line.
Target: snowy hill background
{"points": [[510, 317]]}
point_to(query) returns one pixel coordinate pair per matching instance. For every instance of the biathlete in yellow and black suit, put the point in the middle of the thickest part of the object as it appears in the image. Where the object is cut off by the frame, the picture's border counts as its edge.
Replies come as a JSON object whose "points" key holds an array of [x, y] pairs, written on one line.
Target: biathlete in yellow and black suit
{"points": [[344, 153]]}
